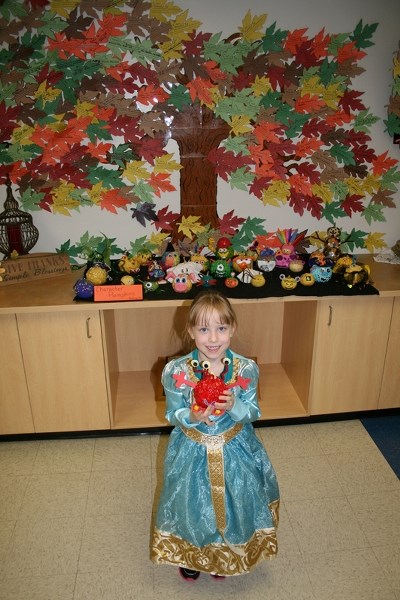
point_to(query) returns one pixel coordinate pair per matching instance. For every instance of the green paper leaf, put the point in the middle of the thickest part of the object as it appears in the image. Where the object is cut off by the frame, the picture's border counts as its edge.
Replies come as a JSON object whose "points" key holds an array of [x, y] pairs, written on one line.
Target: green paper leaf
{"points": [[108, 177], [339, 190], [98, 131], [332, 212], [327, 71], [271, 100], [7, 92], [144, 191], [179, 97], [392, 124], [362, 34], [228, 56], [296, 124], [24, 153], [355, 239], [11, 8], [137, 245], [236, 144], [241, 103], [52, 24], [246, 234], [143, 51], [273, 39], [364, 120], [343, 154], [122, 154], [241, 178], [389, 179], [30, 199], [373, 212]]}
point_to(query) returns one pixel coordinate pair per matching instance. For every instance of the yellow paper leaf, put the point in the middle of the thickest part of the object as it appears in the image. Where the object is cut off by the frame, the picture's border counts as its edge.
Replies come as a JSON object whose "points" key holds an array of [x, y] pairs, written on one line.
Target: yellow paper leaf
{"points": [[63, 7], [317, 238], [162, 10], [22, 135], [332, 95], [323, 191], [157, 239], [135, 171], [182, 27], [278, 192], [96, 193], [190, 226], [261, 86], [171, 50], [166, 164], [374, 241], [396, 67], [240, 124], [252, 27], [85, 109], [312, 86], [46, 94], [63, 202]]}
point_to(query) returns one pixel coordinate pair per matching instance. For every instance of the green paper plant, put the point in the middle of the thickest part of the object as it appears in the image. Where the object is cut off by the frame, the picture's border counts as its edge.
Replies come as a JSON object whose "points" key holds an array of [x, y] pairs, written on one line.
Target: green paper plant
{"points": [[89, 90]]}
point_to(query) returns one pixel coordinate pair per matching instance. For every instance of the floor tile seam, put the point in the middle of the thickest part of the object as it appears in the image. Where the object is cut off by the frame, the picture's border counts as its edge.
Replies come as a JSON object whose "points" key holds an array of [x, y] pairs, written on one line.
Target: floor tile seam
{"points": [[389, 579]]}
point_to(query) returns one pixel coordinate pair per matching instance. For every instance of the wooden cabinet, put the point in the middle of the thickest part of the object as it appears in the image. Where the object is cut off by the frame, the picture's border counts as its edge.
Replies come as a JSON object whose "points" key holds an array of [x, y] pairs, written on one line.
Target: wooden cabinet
{"points": [[15, 410], [64, 364], [70, 366], [351, 337], [390, 389]]}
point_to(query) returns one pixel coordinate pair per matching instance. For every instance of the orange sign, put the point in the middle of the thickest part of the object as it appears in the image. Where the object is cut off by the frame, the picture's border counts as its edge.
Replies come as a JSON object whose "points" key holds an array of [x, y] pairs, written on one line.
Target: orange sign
{"points": [[117, 293]]}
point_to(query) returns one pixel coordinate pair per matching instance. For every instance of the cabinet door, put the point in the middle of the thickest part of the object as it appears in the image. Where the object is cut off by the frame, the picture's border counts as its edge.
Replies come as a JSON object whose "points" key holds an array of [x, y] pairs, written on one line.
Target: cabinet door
{"points": [[64, 364], [390, 391], [349, 353], [15, 410]]}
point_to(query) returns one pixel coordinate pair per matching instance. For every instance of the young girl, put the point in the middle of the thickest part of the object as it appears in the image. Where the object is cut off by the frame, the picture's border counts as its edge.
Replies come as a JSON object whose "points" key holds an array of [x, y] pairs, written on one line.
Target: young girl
{"points": [[219, 506]]}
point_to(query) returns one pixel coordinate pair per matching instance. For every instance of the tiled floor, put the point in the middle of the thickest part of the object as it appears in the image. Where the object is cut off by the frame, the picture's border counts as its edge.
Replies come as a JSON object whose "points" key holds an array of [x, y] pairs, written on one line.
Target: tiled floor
{"points": [[75, 519]]}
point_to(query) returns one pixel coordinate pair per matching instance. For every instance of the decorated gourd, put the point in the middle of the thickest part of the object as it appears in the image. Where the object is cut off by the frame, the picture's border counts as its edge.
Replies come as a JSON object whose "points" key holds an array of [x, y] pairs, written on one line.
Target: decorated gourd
{"points": [[207, 392]]}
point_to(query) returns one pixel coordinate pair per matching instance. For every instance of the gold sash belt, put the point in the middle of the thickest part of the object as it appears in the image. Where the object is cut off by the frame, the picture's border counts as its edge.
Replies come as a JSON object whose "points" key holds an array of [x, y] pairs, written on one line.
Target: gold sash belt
{"points": [[215, 460]]}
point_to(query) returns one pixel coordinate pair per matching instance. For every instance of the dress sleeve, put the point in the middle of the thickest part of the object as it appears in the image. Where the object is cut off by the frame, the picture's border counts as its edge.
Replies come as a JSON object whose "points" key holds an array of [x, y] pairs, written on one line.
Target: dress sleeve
{"points": [[177, 399], [246, 408]]}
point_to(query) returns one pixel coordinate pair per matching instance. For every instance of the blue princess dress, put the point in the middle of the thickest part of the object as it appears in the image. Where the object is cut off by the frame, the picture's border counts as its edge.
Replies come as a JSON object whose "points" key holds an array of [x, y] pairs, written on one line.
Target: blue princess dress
{"points": [[219, 506]]}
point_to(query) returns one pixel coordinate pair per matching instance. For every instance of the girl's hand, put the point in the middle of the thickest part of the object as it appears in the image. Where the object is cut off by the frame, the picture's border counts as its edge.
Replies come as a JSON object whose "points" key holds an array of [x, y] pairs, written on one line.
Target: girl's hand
{"points": [[202, 416], [227, 400]]}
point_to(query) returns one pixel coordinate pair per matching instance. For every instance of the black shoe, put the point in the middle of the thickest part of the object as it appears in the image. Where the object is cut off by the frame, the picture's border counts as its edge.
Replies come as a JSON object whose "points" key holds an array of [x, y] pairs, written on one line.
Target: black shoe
{"points": [[188, 574]]}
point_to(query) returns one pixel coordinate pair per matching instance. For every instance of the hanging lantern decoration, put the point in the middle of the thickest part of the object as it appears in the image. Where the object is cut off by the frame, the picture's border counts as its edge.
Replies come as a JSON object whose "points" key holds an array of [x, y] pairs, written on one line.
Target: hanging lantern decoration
{"points": [[17, 231]]}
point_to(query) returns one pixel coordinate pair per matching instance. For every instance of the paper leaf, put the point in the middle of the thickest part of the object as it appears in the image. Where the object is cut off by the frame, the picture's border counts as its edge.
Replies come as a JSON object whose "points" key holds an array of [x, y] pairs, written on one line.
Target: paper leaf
{"points": [[251, 28], [111, 200], [241, 179], [307, 146], [236, 144], [163, 10], [156, 241], [189, 226], [166, 164], [333, 211], [390, 179], [247, 233], [30, 200], [144, 212], [165, 219], [144, 192], [374, 242], [179, 97], [200, 89], [225, 162], [160, 182], [342, 154], [362, 34], [229, 223], [373, 212], [135, 171], [352, 204], [273, 39], [364, 120]]}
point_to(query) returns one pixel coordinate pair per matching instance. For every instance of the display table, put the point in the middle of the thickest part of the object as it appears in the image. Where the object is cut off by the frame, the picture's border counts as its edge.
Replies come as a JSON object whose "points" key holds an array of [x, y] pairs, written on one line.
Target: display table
{"points": [[85, 366]]}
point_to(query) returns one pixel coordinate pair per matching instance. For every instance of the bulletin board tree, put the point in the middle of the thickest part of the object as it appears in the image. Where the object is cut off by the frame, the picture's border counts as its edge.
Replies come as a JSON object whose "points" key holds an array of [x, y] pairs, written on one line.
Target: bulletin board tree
{"points": [[92, 90]]}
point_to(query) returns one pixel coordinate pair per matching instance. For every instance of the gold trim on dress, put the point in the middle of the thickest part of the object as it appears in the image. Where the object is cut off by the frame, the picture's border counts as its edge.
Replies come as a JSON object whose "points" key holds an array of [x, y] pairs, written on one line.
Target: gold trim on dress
{"points": [[215, 461], [214, 558]]}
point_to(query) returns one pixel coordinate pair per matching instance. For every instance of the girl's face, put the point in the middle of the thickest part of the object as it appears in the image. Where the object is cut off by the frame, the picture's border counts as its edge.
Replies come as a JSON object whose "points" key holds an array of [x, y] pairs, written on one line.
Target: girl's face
{"points": [[212, 338]]}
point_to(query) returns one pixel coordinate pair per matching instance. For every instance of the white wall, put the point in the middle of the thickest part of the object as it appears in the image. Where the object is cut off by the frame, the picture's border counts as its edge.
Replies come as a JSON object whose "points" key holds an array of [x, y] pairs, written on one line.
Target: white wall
{"points": [[335, 16]]}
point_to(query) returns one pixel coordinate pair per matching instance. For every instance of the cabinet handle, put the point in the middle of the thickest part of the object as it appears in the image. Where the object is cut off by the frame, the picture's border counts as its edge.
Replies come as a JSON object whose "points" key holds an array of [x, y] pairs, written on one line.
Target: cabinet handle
{"points": [[88, 334], [330, 316]]}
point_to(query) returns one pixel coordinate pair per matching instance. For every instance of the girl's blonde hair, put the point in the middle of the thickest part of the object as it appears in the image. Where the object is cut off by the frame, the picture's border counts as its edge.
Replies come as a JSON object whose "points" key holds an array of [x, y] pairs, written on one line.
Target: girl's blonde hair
{"points": [[204, 305]]}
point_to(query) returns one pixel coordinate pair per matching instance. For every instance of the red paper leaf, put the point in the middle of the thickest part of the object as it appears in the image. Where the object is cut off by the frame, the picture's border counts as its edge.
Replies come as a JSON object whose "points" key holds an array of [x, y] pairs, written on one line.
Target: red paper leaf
{"points": [[364, 154], [267, 131], [151, 95], [310, 171], [297, 202], [150, 148], [229, 223], [314, 205], [259, 185], [350, 101], [383, 163], [320, 44], [349, 52], [351, 204], [200, 88], [308, 104], [165, 220], [195, 46], [315, 127], [300, 184], [307, 146], [113, 199], [226, 162], [160, 182], [294, 39]]}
